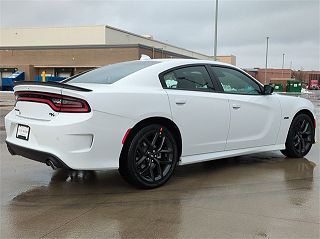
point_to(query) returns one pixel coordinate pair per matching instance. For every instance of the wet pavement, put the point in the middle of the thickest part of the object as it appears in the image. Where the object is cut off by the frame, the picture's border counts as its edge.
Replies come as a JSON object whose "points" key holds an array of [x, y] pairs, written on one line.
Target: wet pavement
{"points": [[256, 196]]}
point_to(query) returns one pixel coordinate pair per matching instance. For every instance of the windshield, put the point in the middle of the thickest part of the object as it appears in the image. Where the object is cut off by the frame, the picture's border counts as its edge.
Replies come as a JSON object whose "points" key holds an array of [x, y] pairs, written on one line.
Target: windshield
{"points": [[111, 73]]}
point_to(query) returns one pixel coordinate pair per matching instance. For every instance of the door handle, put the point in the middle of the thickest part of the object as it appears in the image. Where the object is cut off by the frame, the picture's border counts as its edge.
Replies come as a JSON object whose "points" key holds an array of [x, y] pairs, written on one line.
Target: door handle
{"points": [[236, 106], [180, 101]]}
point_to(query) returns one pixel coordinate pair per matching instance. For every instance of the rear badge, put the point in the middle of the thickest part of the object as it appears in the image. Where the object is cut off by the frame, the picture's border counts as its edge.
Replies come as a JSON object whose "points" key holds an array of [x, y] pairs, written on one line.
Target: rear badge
{"points": [[52, 114]]}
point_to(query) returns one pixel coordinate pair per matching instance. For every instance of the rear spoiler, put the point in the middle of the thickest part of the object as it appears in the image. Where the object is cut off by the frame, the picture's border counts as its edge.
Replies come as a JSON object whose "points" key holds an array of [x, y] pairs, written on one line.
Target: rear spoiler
{"points": [[52, 84]]}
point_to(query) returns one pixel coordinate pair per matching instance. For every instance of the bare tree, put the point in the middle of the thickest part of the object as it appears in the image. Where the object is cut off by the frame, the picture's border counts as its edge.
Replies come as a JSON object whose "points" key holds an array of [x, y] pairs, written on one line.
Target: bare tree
{"points": [[301, 76]]}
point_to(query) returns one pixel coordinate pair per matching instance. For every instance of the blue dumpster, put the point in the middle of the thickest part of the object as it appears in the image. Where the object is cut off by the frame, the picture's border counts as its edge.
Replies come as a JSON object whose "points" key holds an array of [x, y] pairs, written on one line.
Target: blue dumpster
{"points": [[7, 82]]}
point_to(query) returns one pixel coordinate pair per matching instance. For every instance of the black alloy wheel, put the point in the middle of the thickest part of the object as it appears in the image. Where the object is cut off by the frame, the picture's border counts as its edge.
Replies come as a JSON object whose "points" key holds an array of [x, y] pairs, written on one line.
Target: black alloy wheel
{"points": [[300, 137], [151, 158]]}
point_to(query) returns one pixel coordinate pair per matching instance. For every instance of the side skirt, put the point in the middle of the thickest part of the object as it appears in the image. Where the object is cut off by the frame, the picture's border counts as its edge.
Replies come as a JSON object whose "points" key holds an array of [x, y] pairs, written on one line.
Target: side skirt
{"points": [[226, 154]]}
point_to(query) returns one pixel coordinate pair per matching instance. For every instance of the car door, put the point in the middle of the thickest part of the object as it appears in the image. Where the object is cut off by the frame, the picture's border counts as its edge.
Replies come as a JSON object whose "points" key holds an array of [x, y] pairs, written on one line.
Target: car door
{"points": [[201, 114], [255, 118]]}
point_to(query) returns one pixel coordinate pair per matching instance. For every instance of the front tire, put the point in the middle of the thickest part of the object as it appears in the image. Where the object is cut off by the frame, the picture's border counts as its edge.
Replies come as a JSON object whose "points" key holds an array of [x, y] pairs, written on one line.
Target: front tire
{"points": [[150, 158], [300, 137]]}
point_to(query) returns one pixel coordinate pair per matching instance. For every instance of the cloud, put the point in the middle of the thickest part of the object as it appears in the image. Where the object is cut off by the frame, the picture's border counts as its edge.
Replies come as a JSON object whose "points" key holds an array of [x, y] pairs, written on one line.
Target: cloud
{"points": [[293, 26]]}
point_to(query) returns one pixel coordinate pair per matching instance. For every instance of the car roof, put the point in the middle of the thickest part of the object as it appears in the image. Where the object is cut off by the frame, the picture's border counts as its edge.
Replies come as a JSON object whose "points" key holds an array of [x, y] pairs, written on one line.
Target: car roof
{"points": [[142, 77], [188, 61]]}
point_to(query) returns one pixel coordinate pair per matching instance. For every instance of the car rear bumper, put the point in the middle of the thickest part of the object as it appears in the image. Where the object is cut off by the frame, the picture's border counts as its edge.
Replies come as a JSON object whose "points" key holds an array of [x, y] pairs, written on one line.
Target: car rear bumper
{"points": [[79, 141], [36, 155]]}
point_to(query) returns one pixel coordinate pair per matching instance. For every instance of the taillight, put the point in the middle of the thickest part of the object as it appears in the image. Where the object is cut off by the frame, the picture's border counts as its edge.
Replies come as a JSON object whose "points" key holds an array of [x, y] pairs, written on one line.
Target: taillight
{"points": [[59, 103]]}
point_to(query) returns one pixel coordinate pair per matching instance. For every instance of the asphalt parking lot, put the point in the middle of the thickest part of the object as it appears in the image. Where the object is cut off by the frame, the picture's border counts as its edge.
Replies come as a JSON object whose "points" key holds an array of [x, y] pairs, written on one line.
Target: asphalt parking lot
{"points": [[256, 196]]}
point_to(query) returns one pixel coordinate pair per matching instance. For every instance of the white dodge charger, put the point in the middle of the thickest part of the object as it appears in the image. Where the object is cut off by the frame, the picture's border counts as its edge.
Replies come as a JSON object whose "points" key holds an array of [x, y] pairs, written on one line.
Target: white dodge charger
{"points": [[145, 117]]}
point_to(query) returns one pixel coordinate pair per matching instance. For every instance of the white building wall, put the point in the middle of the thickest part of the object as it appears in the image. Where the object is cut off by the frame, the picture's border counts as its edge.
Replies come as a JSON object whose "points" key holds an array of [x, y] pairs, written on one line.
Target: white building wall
{"points": [[52, 36], [83, 35], [117, 36]]}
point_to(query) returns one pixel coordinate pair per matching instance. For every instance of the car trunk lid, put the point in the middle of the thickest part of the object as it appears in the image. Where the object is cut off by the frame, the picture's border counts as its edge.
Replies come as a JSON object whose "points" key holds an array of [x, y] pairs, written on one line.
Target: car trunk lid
{"points": [[46, 100]]}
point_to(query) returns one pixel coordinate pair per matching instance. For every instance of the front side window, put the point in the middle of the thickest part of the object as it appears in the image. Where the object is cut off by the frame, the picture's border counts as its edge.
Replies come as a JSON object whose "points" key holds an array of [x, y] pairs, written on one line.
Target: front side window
{"points": [[111, 73], [235, 82], [188, 78]]}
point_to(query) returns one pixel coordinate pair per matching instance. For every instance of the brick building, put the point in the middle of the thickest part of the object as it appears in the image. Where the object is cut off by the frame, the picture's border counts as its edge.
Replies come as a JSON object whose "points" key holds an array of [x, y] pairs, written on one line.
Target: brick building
{"points": [[270, 75], [64, 51], [307, 76], [281, 76]]}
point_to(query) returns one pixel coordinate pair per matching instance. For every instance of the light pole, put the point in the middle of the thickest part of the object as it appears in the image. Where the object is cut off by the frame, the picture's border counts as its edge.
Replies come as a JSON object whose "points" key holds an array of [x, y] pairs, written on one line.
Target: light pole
{"points": [[282, 64], [265, 71], [215, 33]]}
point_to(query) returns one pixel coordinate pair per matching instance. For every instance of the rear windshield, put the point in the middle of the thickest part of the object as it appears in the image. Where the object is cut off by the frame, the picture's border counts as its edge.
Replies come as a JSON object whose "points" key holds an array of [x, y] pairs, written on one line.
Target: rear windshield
{"points": [[111, 73]]}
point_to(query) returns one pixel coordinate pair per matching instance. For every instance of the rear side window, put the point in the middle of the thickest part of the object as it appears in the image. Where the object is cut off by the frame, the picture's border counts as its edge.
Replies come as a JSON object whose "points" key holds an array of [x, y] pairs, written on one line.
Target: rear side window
{"points": [[188, 78], [111, 73]]}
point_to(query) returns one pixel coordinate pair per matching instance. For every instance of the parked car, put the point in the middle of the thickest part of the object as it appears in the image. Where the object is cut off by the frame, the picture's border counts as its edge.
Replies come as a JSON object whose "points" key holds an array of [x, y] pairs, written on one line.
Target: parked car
{"points": [[146, 117], [314, 85]]}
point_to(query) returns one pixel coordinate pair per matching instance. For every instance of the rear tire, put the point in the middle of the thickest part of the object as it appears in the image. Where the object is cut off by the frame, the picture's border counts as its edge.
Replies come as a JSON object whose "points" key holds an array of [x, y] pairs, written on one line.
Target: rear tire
{"points": [[150, 157], [300, 137]]}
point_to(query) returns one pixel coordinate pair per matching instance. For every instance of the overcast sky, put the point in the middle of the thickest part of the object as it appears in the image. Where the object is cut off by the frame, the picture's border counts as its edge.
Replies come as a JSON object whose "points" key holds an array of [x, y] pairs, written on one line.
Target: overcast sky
{"points": [[293, 26]]}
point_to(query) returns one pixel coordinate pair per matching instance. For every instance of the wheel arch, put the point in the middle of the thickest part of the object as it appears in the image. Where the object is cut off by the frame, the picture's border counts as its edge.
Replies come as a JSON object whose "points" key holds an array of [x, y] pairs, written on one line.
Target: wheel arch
{"points": [[152, 120], [306, 112]]}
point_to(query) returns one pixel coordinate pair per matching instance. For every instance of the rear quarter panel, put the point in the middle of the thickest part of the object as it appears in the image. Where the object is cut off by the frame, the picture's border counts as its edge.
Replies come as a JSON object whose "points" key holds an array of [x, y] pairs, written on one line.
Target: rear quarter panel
{"points": [[120, 110]]}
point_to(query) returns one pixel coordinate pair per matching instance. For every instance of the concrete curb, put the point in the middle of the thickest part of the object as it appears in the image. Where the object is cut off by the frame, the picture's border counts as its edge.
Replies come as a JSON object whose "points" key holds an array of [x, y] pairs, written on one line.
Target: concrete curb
{"points": [[3, 106]]}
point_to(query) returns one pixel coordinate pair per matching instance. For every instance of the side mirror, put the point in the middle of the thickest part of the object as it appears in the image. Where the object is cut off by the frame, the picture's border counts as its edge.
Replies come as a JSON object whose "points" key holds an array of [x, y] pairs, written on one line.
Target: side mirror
{"points": [[267, 89]]}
